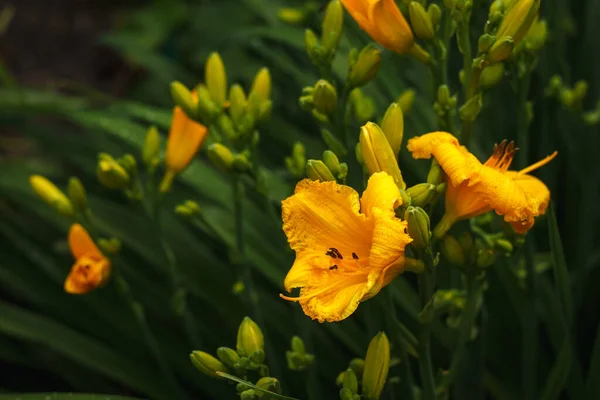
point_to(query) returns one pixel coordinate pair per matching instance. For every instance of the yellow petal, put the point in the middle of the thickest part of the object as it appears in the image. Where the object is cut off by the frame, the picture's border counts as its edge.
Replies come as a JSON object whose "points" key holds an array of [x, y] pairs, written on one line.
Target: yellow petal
{"points": [[382, 193], [81, 243], [358, 10], [455, 160], [185, 137], [389, 240], [392, 29], [463, 201], [87, 274]]}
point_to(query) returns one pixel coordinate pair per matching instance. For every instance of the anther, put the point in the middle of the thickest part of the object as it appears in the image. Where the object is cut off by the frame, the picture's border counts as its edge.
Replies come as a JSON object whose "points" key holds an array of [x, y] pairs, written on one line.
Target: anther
{"points": [[333, 267], [354, 256]]}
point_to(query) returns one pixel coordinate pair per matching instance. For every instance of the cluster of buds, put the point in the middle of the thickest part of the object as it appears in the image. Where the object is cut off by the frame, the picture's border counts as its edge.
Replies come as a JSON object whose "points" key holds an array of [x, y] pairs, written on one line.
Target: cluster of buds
{"points": [[369, 374], [327, 169], [295, 163], [572, 98], [450, 303], [445, 104], [320, 99], [322, 51], [424, 22], [463, 250], [119, 174], [248, 357], [297, 358]]}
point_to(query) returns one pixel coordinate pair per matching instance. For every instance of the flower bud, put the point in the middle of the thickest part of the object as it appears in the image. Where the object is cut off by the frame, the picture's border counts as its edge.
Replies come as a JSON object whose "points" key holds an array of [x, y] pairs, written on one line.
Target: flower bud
{"points": [[378, 154], [331, 161], [311, 44], [485, 43], [262, 84], [366, 66], [346, 394], [228, 356], [435, 13], [421, 194], [111, 174], [358, 154], [216, 79], [292, 16], [250, 338], [151, 148], [406, 100], [491, 75], [220, 156], [324, 97], [485, 257], [298, 345], [468, 112], [316, 170], [333, 143], [207, 364], [241, 162], [77, 194], [207, 108], [501, 49], [392, 126], [518, 19], [504, 245], [537, 35], [449, 4], [418, 227], [420, 21], [238, 104], [452, 250], [377, 365], [435, 176], [110, 246], [405, 198], [357, 365], [183, 98], [466, 242], [363, 106], [350, 381], [332, 27], [249, 394], [443, 95], [188, 209], [52, 195], [270, 384]]}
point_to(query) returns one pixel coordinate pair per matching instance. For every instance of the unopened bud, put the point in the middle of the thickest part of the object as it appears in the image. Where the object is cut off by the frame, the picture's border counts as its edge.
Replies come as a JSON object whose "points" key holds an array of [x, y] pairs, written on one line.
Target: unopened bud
{"points": [[406, 100], [378, 154], [418, 227], [485, 42], [466, 242], [421, 194], [249, 394], [501, 49], [333, 143], [580, 90], [420, 21], [228, 356], [311, 44], [207, 108], [485, 257], [449, 4], [250, 338], [504, 245], [111, 174], [332, 162], [537, 35], [393, 126], [366, 66], [405, 198], [324, 97], [443, 95], [316, 170], [207, 364], [357, 365], [435, 176], [220, 156], [350, 381], [363, 106], [77, 194], [332, 27], [183, 98], [291, 15], [298, 345], [435, 13], [110, 246], [491, 76], [270, 384], [452, 250], [238, 104], [262, 84], [377, 365], [151, 148], [241, 162], [346, 394], [189, 208], [216, 79], [52, 195], [518, 19], [468, 112]]}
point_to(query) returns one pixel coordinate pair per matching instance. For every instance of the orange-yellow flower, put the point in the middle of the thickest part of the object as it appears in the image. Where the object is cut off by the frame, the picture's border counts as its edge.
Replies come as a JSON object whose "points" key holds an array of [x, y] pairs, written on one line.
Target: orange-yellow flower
{"points": [[383, 21], [185, 138], [346, 249], [91, 268], [475, 188]]}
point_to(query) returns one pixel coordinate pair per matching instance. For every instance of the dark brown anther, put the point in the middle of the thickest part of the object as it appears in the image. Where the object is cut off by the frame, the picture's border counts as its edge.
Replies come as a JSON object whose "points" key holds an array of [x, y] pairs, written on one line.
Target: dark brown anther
{"points": [[333, 267], [354, 256]]}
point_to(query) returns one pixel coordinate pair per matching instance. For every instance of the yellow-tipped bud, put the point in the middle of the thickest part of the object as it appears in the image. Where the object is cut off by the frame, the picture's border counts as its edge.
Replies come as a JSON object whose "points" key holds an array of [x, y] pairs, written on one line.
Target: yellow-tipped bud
{"points": [[238, 104], [324, 97], [491, 76], [207, 364], [52, 195], [501, 49], [270, 384], [228, 356], [111, 174], [377, 365], [518, 19], [420, 21], [378, 154], [393, 126], [216, 79], [406, 100], [220, 156], [316, 170], [151, 148], [183, 98], [418, 227], [250, 338], [333, 24], [331, 161], [77, 194], [452, 250], [262, 84], [421, 194], [366, 66]]}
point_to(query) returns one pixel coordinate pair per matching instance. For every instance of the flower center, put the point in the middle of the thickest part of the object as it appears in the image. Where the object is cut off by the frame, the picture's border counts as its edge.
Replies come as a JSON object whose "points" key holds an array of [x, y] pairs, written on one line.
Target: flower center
{"points": [[502, 155]]}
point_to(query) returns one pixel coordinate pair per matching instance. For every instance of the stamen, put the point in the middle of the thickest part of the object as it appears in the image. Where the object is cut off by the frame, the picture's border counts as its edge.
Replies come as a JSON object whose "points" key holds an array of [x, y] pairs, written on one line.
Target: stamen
{"points": [[502, 155], [354, 256], [333, 267], [539, 164], [330, 254]]}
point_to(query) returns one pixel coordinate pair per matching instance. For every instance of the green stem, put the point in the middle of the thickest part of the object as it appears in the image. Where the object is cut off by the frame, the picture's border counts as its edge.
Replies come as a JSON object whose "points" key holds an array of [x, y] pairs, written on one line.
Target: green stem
{"points": [[426, 284], [464, 40], [439, 69], [340, 120]]}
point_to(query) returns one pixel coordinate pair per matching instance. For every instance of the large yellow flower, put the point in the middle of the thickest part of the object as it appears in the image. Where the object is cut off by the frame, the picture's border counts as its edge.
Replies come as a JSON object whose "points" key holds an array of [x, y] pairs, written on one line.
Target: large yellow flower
{"points": [[346, 249], [91, 268], [383, 21], [475, 188]]}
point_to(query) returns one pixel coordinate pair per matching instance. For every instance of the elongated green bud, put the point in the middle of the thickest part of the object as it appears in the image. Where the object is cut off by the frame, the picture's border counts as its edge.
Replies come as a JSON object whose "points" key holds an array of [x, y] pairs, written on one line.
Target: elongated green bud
{"points": [[228, 356], [216, 79], [207, 364], [238, 104], [501, 49], [207, 108], [333, 143], [270, 384], [333, 24], [183, 98], [406, 100], [77, 194], [377, 365], [332, 162], [420, 21], [435, 13], [366, 66], [435, 176], [151, 148], [393, 126], [262, 84], [250, 338], [111, 174], [311, 43], [316, 170], [518, 19], [220, 156], [324, 97], [350, 381], [491, 76], [452, 251], [418, 227], [52, 195], [469, 111], [421, 194]]}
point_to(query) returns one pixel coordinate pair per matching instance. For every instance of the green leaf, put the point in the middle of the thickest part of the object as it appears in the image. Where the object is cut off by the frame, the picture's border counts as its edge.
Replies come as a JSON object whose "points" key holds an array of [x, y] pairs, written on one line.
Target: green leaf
{"points": [[562, 281], [63, 396], [559, 374], [238, 380], [593, 383]]}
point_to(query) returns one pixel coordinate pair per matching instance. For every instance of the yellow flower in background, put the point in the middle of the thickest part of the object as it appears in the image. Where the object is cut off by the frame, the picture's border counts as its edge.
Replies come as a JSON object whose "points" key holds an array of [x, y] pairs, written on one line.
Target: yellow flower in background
{"points": [[346, 249], [383, 21], [52, 195], [91, 268], [185, 138], [475, 188]]}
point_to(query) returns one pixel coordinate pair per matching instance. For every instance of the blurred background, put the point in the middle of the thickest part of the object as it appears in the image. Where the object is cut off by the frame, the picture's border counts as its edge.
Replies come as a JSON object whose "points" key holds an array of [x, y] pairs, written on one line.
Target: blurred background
{"points": [[79, 77]]}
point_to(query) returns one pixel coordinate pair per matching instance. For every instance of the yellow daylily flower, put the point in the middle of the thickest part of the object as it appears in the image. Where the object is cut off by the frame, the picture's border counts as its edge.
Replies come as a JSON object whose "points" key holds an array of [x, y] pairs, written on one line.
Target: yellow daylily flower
{"points": [[383, 21], [346, 249], [475, 188], [185, 138], [91, 268]]}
